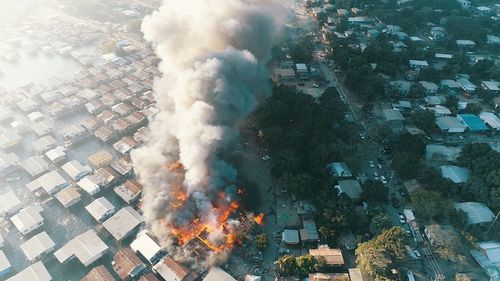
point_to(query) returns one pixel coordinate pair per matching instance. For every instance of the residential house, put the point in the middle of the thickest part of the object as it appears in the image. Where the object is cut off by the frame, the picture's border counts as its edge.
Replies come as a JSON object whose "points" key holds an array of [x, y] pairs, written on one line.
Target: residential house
{"points": [[450, 124], [418, 64], [127, 264], [100, 209], [99, 273], [473, 122], [429, 87], [340, 170], [130, 191], [38, 246], [218, 274], [86, 247], [476, 212], [76, 170], [170, 270], [28, 219], [146, 247], [466, 44], [455, 173], [36, 271], [333, 257], [69, 196], [123, 223]]}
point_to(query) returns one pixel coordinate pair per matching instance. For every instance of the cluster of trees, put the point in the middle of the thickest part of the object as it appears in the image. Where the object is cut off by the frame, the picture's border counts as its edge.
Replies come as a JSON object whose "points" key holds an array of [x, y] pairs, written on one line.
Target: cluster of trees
{"points": [[300, 266], [407, 154], [261, 241], [304, 135], [380, 255], [484, 163]]}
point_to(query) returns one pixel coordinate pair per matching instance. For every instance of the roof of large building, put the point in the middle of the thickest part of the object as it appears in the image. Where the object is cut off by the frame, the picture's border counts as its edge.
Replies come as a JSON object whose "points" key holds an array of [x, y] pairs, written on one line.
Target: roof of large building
{"points": [[36, 271], [492, 251], [9, 202], [86, 247], [473, 122], [68, 196], [121, 224], [100, 208], [50, 182], [28, 219], [37, 245], [455, 173], [145, 245], [332, 256], [99, 273], [340, 169], [36, 165], [351, 188], [217, 274], [169, 269], [100, 158], [491, 119], [75, 169], [476, 212], [449, 123]]}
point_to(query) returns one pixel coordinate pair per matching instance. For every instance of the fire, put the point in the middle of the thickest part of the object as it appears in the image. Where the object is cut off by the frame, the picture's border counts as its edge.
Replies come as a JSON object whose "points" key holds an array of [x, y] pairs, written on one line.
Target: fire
{"points": [[259, 219]]}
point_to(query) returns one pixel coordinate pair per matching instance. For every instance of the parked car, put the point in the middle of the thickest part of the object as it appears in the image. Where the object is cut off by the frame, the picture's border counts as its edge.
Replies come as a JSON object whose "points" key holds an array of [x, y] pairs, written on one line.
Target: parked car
{"points": [[407, 229], [267, 157], [371, 164], [402, 218], [417, 253], [383, 179]]}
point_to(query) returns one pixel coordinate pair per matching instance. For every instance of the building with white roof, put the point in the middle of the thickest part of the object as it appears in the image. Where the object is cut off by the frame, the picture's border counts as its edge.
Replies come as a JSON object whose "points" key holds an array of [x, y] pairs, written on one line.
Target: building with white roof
{"points": [[217, 274], [38, 246], [36, 271], [8, 163], [5, 266], [169, 269], [146, 246], [100, 209], [491, 120], [466, 44], [450, 124], [44, 143], [86, 247], [493, 86], [36, 165], [9, 203], [418, 64], [28, 219], [429, 87], [488, 257], [9, 138], [466, 85], [455, 173], [1, 241], [290, 236], [90, 184], [56, 155], [69, 196], [123, 223], [477, 213], [51, 182], [76, 170], [301, 70], [36, 116]]}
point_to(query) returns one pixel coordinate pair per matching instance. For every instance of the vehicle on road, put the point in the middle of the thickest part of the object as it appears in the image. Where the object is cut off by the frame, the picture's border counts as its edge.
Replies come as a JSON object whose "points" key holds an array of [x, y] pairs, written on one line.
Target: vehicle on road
{"points": [[383, 179], [266, 158], [417, 253], [371, 164]]}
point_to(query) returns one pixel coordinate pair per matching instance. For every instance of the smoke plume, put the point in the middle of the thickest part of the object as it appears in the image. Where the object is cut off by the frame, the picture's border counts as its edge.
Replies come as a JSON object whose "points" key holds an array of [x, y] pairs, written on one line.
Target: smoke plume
{"points": [[213, 55]]}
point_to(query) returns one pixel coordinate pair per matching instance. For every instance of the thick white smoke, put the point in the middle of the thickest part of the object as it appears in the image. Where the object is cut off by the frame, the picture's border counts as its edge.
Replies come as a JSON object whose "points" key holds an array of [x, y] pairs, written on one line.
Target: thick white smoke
{"points": [[213, 55]]}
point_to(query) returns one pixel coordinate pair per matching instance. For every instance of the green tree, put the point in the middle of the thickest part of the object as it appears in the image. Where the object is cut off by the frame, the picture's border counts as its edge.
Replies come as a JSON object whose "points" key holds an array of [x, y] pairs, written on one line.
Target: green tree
{"points": [[380, 222], [386, 251], [429, 205], [425, 120], [417, 91], [375, 192], [286, 265], [406, 165], [261, 241], [473, 108]]}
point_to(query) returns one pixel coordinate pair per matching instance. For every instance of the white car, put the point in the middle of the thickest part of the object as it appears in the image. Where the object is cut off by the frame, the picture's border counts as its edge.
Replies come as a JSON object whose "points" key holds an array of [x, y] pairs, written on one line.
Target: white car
{"points": [[371, 164], [267, 157], [417, 254], [383, 179], [402, 218]]}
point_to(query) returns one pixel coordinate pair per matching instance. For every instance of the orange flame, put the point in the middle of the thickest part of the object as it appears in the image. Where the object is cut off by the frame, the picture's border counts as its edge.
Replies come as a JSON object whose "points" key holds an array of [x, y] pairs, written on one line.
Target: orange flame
{"points": [[259, 219]]}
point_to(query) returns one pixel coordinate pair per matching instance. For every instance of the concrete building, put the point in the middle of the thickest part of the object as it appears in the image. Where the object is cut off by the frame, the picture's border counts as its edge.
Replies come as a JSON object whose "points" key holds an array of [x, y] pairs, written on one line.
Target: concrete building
{"points": [[401, 86], [333, 257], [146, 246], [130, 191], [99, 273], [86, 247], [9, 203], [73, 134], [100, 209], [28, 219], [36, 165], [123, 223], [69, 196], [301, 69], [127, 264], [170, 270], [51, 182], [488, 257], [36, 271], [466, 44], [218, 274], [38, 246], [76, 170], [492, 86]]}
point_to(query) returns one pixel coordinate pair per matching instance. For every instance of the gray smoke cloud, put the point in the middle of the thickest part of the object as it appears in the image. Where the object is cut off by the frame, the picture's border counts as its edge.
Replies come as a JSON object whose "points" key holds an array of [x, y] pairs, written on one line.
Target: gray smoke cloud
{"points": [[213, 55]]}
